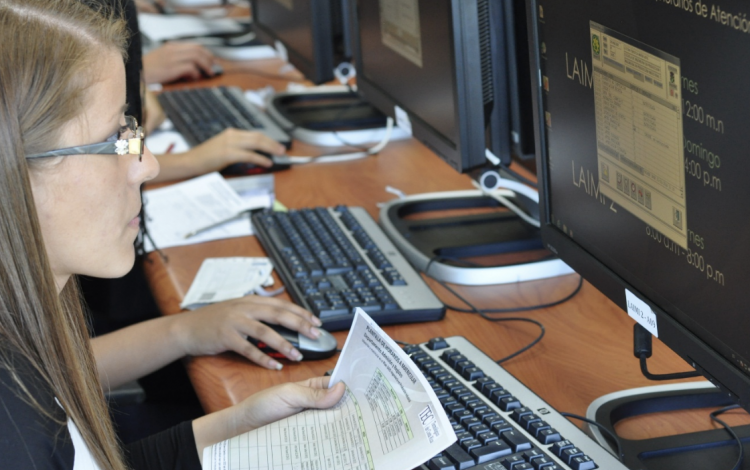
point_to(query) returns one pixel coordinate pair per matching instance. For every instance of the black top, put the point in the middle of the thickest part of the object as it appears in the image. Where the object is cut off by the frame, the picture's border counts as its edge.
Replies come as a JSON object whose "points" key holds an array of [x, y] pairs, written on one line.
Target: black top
{"points": [[29, 439]]}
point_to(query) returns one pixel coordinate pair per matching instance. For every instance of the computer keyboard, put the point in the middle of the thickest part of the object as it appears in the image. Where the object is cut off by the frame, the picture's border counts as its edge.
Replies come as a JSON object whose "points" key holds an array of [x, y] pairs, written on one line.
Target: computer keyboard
{"points": [[500, 424], [335, 259], [201, 113]]}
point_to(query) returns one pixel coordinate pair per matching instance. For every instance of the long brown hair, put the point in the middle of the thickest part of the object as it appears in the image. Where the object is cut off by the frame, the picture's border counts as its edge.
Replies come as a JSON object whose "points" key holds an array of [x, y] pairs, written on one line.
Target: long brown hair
{"points": [[48, 58]]}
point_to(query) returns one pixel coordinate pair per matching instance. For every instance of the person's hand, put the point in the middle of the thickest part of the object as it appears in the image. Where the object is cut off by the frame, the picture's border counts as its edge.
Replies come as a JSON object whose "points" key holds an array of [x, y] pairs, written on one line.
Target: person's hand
{"points": [[225, 326], [234, 146], [267, 406], [174, 60], [153, 113], [281, 401], [148, 6]]}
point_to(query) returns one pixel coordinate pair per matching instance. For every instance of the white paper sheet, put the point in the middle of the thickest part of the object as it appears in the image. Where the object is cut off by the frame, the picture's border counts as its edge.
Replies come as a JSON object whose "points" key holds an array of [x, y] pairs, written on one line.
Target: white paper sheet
{"points": [[174, 211], [220, 279], [165, 27], [389, 418]]}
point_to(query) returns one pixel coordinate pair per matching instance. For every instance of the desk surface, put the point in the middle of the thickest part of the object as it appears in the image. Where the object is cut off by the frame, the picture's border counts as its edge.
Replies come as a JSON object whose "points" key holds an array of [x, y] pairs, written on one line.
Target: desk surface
{"points": [[587, 350]]}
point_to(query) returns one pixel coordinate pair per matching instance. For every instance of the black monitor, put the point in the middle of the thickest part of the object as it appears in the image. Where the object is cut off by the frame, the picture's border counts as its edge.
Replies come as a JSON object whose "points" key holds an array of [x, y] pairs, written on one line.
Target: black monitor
{"points": [[642, 126], [312, 32], [448, 67]]}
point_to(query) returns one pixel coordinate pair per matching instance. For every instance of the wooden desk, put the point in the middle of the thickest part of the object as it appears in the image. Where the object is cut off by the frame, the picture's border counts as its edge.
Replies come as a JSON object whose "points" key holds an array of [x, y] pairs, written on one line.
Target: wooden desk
{"points": [[586, 353]]}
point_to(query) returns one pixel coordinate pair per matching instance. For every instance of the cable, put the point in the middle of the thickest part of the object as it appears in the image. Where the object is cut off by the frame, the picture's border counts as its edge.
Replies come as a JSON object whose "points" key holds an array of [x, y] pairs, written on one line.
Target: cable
{"points": [[339, 157], [496, 310], [714, 416], [642, 350], [613, 436], [484, 315], [498, 196]]}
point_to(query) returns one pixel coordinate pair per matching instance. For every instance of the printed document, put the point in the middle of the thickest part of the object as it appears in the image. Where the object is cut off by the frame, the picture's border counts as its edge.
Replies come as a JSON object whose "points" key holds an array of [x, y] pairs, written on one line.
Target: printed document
{"points": [[388, 419], [173, 212]]}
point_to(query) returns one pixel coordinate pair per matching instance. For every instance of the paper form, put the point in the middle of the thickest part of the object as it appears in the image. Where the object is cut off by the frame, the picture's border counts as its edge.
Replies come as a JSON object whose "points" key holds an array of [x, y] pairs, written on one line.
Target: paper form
{"points": [[389, 418], [174, 211], [221, 279]]}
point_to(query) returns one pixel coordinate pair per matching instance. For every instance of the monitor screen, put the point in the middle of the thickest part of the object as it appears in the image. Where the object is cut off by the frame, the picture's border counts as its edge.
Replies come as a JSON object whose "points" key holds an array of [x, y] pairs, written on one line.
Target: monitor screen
{"points": [[642, 126], [440, 68], [311, 32]]}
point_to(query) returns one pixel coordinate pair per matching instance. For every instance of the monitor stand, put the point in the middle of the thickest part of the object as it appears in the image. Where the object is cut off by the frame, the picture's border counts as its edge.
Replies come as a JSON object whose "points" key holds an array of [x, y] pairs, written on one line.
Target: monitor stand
{"points": [[450, 248], [330, 116], [712, 449]]}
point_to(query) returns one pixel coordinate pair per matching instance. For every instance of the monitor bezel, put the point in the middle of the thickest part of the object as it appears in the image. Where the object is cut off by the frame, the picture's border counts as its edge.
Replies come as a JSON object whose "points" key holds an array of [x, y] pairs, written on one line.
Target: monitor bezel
{"points": [[469, 151], [320, 68], [708, 361]]}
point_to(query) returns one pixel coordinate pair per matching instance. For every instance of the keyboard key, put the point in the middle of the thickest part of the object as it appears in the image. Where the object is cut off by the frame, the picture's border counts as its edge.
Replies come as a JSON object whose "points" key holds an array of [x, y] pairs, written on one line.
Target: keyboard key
{"points": [[509, 403], [513, 461], [583, 462], [470, 444], [517, 441], [501, 427], [486, 437], [549, 436], [460, 457], [520, 412], [536, 427], [498, 395], [441, 463], [437, 343], [542, 462], [558, 447], [528, 420], [491, 451], [569, 453], [473, 373]]}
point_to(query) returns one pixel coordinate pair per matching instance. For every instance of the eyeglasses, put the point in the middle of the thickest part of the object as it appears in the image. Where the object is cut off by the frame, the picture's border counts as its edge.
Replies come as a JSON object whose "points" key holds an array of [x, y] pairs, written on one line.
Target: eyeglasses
{"points": [[128, 140]]}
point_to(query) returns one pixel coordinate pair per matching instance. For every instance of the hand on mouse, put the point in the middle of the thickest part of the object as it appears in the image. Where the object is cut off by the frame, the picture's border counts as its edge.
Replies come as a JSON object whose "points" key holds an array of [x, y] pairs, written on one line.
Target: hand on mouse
{"points": [[226, 326], [228, 147], [175, 60]]}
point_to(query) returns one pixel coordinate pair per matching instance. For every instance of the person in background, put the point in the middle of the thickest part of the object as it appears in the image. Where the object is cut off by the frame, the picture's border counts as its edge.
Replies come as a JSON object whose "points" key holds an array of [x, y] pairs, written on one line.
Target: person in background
{"points": [[70, 206]]}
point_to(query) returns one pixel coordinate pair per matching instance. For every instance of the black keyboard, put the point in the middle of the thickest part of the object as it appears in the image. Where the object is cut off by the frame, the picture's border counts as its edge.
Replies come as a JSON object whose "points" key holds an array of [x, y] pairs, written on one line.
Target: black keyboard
{"points": [[201, 113], [333, 260], [500, 423]]}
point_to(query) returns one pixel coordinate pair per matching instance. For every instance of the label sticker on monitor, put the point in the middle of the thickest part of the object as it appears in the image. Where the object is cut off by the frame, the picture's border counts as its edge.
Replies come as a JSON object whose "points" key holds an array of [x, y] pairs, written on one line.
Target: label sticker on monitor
{"points": [[641, 312], [402, 119]]}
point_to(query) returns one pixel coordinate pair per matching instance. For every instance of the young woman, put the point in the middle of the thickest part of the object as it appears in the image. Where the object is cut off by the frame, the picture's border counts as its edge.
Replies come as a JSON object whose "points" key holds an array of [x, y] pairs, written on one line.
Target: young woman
{"points": [[71, 165]]}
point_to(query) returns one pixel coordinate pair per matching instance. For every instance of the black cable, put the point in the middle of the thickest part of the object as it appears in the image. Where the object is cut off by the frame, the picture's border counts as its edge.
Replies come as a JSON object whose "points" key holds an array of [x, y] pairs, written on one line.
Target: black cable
{"points": [[674, 376], [484, 315], [642, 350], [620, 456], [714, 416], [497, 310]]}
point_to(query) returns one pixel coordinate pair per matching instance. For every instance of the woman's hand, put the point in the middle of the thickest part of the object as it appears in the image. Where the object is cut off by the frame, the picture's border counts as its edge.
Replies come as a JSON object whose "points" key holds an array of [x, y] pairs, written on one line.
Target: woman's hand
{"points": [[235, 146], [275, 403], [174, 60], [226, 326], [228, 147], [267, 406]]}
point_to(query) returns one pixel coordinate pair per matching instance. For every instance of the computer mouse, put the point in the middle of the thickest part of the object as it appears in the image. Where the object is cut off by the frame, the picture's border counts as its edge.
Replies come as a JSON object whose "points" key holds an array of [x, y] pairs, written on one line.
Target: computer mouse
{"points": [[322, 347], [216, 70]]}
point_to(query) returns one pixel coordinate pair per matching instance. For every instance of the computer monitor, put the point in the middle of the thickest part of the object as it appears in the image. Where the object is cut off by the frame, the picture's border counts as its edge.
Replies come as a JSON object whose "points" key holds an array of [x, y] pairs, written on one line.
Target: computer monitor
{"points": [[642, 130], [447, 70], [312, 32]]}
